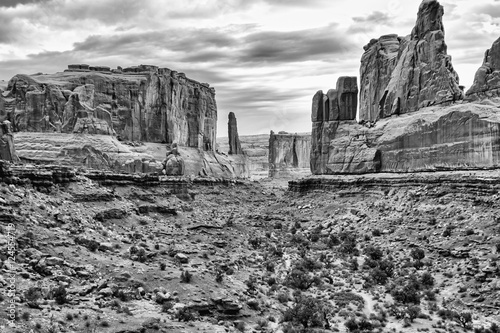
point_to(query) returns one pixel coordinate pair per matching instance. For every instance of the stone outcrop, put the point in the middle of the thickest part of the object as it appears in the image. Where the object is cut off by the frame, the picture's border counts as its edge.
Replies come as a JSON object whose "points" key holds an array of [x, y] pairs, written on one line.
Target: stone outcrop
{"points": [[145, 103], [328, 111], [401, 75], [462, 136], [234, 140], [7, 147], [289, 154], [487, 79], [106, 153]]}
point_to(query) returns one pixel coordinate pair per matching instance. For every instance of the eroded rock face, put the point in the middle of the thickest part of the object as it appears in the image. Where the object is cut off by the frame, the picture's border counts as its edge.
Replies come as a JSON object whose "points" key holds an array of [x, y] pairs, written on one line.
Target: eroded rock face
{"points": [[487, 79], [458, 137], [7, 148], [338, 105], [401, 75], [234, 140], [288, 154], [148, 104]]}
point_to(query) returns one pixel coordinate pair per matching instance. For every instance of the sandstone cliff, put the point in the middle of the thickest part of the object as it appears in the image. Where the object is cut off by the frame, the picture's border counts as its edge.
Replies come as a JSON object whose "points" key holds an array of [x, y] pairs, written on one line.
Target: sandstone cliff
{"points": [[7, 147], [289, 154], [401, 75], [458, 137], [145, 103], [328, 111], [232, 131], [487, 79]]}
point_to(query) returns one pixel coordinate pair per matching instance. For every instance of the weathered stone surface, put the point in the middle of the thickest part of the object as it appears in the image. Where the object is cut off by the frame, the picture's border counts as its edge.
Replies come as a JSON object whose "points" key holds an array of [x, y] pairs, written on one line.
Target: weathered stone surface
{"points": [[338, 105], [401, 75], [459, 137], [234, 140], [105, 152], [151, 104], [289, 154], [487, 79], [7, 147]]}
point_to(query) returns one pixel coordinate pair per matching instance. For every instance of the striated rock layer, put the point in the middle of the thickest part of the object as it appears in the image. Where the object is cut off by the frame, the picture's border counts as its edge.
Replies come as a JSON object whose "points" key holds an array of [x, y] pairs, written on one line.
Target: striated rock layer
{"points": [[401, 75], [462, 136], [145, 103], [487, 79], [234, 140], [289, 154], [104, 152]]}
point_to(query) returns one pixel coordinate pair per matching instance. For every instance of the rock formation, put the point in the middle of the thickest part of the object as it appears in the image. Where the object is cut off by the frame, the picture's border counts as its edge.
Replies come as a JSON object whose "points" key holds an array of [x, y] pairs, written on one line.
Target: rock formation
{"points": [[401, 75], [7, 148], [144, 103], [487, 79], [328, 111], [289, 154], [234, 140]]}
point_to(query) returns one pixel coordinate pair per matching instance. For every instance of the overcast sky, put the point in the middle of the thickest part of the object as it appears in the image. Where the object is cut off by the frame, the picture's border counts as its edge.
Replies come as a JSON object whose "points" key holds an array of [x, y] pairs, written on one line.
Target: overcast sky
{"points": [[265, 58]]}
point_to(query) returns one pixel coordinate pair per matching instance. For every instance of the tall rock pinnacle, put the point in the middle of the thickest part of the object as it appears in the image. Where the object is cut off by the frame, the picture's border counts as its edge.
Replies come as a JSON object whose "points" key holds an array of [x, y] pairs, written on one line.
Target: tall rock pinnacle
{"points": [[401, 75], [234, 140], [487, 79]]}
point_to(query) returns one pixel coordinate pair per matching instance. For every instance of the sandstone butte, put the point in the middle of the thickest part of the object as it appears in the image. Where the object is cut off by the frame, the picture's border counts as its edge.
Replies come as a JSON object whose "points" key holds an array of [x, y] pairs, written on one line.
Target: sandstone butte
{"points": [[124, 119], [413, 115]]}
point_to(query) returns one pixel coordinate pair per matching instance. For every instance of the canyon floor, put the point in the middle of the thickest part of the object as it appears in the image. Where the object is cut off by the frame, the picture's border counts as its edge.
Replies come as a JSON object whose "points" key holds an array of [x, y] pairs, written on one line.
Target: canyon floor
{"points": [[252, 257]]}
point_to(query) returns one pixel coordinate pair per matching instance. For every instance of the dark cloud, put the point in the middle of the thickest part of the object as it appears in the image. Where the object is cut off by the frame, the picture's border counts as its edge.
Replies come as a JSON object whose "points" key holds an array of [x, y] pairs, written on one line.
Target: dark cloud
{"points": [[14, 3], [374, 18], [188, 41], [364, 24], [303, 45], [492, 10], [296, 3]]}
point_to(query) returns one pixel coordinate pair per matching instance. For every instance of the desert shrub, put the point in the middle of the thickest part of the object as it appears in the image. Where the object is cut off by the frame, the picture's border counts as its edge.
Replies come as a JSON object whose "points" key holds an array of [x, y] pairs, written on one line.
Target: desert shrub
{"points": [[378, 276], [407, 293], [32, 295], [166, 306], [184, 314], [376, 232], [427, 280], [361, 325], [417, 253], [348, 243], [25, 316], [301, 279], [186, 277], [163, 266], [373, 252], [219, 275], [59, 294], [343, 298], [255, 242], [307, 312]]}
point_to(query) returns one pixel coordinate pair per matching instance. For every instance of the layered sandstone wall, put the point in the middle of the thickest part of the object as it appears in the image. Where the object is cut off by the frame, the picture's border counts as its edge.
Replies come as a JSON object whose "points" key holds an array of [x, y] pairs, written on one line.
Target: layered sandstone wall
{"points": [[151, 104], [289, 154]]}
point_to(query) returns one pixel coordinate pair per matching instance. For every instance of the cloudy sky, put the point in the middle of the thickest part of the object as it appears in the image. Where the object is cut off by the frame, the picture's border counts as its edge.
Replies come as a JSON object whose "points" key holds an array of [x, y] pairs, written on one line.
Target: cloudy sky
{"points": [[265, 58]]}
